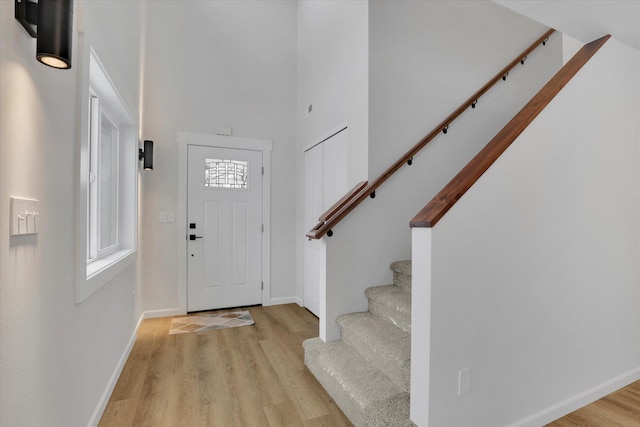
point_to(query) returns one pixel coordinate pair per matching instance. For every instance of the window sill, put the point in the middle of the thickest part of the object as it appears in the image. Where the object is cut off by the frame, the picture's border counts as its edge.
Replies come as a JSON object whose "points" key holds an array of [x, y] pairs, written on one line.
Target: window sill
{"points": [[101, 271]]}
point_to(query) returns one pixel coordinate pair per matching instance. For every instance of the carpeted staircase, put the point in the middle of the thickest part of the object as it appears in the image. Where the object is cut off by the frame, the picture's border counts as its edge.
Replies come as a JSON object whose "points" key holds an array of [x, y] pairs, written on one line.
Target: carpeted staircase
{"points": [[367, 373]]}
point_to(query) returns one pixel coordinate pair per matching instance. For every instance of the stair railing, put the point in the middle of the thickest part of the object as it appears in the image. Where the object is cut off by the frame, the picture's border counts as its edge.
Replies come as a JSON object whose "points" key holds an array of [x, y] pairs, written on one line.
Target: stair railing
{"points": [[362, 190], [449, 195]]}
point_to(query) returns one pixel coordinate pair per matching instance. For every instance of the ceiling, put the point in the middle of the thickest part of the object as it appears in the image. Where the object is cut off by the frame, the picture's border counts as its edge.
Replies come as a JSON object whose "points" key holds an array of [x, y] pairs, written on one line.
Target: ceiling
{"points": [[585, 20]]}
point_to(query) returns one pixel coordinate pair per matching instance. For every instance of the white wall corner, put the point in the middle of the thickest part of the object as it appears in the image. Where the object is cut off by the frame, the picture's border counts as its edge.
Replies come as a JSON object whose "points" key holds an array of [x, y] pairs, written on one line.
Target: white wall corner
{"points": [[420, 324], [113, 380], [285, 300]]}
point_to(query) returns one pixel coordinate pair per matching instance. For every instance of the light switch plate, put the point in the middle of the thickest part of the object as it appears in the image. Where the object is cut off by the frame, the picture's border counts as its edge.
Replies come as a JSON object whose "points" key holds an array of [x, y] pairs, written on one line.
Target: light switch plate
{"points": [[223, 130], [24, 216], [167, 217]]}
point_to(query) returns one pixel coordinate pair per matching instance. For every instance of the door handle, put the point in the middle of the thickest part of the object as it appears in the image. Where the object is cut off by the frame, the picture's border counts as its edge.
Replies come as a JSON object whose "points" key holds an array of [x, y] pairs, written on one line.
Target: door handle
{"points": [[194, 237]]}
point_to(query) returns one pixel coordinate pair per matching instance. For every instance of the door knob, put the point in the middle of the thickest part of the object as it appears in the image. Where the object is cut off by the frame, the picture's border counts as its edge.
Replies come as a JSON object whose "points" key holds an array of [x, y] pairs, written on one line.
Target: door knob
{"points": [[194, 237]]}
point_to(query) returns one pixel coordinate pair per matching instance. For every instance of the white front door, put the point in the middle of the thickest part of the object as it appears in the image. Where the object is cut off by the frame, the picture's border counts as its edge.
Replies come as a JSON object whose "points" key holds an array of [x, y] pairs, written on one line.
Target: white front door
{"points": [[224, 228]]}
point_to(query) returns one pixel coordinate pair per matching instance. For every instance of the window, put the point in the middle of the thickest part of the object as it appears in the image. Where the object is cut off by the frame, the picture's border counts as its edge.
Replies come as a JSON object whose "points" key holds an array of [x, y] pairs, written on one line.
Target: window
{"points": [[103, 183], [107, 212], [225, 173]]}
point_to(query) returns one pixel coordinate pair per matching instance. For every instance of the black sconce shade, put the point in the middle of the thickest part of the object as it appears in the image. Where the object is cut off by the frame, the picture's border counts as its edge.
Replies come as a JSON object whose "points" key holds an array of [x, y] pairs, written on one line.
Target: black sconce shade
{"points": [[51, 22], [146, 155]]}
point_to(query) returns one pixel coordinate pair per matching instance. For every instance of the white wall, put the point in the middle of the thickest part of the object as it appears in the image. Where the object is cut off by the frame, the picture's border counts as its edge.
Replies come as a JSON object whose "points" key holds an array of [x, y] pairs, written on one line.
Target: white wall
{"points": [[210, 64], [332, 60], [409, 94], [585, 21], [570, 47], [427, 58], [57, 357], [333, 57], [534, 272]]}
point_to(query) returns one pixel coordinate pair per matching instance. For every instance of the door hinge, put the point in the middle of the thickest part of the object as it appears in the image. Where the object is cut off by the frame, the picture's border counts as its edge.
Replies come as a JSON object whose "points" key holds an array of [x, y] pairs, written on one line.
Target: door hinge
{"points": [[263, 170], [262, 286], [263, 228]]}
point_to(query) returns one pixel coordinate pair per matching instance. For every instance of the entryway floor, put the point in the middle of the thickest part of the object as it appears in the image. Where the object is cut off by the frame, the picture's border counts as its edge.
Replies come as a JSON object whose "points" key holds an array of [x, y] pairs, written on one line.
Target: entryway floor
{"points": [[250, 376]]}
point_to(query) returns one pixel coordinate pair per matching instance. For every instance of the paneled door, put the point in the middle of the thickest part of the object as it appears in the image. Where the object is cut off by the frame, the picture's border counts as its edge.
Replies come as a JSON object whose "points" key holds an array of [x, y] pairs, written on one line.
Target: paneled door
{"points": [[325, 182], [314, 258], [224, 230]]}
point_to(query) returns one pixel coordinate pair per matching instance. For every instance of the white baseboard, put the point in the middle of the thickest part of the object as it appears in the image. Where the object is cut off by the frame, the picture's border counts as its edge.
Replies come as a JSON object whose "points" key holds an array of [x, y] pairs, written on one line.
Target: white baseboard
{"points": [[167, 312], [104, 399], [573, 403], [285, 300]]}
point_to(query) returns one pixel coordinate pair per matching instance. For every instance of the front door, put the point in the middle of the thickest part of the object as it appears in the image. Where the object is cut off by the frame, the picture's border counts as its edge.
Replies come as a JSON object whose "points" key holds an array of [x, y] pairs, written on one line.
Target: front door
{"points": [[224, 215]]}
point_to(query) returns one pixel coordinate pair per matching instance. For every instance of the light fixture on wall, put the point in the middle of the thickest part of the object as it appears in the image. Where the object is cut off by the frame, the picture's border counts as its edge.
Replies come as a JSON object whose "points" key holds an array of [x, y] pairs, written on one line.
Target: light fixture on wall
{"points": [[51, 22], [146, 155]]}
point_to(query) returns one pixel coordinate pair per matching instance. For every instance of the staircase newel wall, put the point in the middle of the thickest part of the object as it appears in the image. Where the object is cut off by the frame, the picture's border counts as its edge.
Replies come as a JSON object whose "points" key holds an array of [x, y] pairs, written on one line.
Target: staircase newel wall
{"points": [[533, 273], [420, 323]]}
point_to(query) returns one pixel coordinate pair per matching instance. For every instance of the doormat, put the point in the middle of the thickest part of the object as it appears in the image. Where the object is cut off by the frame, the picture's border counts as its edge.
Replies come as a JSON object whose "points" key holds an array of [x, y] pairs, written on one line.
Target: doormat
{"points": [[208, 322]]}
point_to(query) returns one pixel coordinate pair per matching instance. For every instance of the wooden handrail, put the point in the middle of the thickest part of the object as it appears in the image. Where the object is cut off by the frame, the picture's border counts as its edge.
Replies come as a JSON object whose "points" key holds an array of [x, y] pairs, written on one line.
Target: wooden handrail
{"points": [[333, 210], [321, 229], [443, 201], [340, 203]]}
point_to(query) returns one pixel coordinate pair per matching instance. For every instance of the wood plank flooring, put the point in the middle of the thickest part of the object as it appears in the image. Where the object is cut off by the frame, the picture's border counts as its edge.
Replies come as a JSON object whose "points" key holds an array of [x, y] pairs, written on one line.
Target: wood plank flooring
{"points": [[619, 409], [247, 376], [255, 376]]}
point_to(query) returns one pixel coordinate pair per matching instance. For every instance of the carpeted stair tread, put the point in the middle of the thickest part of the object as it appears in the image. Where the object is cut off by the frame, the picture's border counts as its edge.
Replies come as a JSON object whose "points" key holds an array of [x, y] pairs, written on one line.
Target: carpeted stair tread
{"points": [[402, 274], [368, 372], [365, 395], [401, 267], [393, 413], [386, 346], [391, 303]]}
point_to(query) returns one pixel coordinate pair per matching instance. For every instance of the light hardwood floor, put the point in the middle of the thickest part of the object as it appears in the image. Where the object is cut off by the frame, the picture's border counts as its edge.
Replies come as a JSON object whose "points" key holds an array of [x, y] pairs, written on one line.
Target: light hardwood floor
{"points": [[255, 376], [248, 376]]}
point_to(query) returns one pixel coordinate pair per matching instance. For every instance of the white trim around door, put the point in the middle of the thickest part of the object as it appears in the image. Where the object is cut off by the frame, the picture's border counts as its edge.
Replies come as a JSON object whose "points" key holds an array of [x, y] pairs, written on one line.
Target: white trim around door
{"points": [[210, 140]]}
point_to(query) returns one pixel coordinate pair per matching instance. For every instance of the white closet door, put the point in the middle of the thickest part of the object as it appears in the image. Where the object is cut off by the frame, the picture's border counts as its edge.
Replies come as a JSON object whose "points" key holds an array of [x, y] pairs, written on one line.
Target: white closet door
{"points": [[325, 182]]}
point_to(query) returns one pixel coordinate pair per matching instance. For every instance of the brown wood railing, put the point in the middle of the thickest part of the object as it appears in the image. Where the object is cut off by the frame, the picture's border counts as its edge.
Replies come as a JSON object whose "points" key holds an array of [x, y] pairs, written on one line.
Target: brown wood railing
{"points": [[340, 203], [449, 195], [355, 198], [337, 206]]}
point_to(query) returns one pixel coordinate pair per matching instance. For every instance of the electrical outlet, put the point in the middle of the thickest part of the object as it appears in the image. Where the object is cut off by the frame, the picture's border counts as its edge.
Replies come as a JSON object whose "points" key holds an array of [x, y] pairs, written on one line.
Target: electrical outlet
{"points": [[464, 381], [24, 216]]}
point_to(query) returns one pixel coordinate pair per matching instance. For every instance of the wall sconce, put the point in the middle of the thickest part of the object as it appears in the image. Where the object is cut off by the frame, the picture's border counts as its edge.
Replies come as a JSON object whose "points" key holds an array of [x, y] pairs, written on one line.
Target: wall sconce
{"points": [[51, 22], [146, 154]]}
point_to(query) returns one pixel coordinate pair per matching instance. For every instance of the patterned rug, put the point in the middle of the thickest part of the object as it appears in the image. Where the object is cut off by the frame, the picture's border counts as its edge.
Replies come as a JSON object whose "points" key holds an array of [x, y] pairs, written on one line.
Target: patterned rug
{"points": [[208, 322]]}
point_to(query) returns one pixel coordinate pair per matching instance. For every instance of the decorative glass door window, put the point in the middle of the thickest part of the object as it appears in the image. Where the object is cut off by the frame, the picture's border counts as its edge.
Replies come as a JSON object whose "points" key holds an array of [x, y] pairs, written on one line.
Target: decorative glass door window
{"points": [[220, 173]]}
